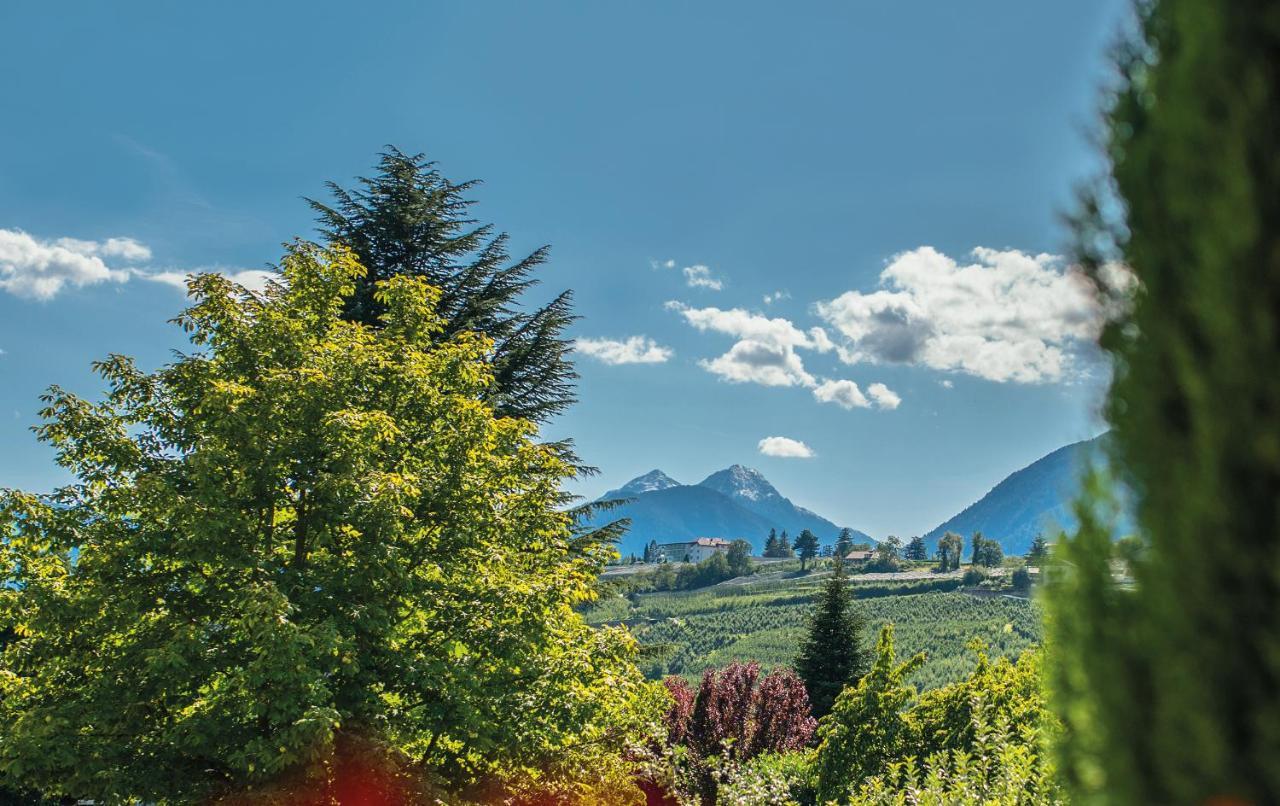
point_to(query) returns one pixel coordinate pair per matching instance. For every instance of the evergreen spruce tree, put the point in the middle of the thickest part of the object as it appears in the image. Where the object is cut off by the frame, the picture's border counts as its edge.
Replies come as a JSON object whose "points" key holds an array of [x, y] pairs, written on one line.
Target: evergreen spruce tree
{"points": [[771, 544], [832, 656], [784, 545], [844, 543], [916, 550], [408, 219], [1039, 552], [807, 547]]}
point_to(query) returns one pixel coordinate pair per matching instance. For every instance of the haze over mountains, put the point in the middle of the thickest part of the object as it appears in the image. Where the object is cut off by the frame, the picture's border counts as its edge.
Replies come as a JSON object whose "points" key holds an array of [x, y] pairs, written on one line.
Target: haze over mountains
{"points": [[739, 502]]}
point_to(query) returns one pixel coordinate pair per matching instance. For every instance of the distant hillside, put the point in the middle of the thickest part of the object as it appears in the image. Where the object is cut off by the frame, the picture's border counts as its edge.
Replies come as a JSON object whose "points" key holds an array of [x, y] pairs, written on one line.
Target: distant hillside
{"points": [[1036, 498], [737, 502]]}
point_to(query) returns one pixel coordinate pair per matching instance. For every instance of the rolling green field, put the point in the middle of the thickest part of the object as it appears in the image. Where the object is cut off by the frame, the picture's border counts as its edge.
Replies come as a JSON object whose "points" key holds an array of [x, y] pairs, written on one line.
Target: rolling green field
{"points": [[685, 632]]}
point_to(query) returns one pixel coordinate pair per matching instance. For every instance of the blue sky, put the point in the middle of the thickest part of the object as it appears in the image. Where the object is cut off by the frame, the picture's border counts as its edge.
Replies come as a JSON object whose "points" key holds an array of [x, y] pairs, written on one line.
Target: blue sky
{"points": [[662, 149]]}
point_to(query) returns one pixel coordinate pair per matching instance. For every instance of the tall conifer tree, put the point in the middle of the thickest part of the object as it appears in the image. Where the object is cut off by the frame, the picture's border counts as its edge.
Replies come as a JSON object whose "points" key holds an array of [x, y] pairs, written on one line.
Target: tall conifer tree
{"points": [[832, 656], [408, 219]]}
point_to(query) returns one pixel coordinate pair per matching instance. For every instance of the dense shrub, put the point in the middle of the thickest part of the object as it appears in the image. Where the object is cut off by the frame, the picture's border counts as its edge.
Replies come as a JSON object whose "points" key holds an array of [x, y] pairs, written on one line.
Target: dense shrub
{"points": [[735, 716]]}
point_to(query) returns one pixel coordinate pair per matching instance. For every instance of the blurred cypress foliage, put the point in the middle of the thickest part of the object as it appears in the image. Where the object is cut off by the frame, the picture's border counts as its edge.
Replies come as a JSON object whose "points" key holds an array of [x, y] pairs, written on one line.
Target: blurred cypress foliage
{"points": [[1169, 687]]}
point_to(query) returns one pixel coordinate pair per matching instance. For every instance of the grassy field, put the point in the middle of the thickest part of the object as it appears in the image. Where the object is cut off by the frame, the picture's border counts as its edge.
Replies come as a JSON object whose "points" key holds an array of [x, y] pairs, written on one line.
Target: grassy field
{"points": [[765, 620]]}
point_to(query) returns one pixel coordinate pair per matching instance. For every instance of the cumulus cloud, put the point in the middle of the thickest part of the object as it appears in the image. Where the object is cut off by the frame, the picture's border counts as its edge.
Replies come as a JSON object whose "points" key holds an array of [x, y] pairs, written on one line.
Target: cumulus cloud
{"points": [[765, 351], [662, 264], [632, 350], [701, 277], [38, 269], [884, 397], [844, 394], [785, 447], [751, 361], [776, 296], [1004, 316], [847, 395]]}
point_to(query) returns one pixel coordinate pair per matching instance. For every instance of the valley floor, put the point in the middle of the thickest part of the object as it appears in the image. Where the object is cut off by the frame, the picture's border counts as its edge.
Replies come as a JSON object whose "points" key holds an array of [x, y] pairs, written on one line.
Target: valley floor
{"points": [[764, 618]]}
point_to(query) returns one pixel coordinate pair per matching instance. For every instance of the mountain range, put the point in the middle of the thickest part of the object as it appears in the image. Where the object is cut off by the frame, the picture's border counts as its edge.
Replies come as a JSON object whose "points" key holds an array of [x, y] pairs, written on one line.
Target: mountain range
{"points": [[737, 502], [1035, 499]]}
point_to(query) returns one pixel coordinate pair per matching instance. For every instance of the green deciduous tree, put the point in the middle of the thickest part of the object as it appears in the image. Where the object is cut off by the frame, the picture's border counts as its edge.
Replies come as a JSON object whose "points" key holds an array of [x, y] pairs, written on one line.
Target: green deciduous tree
{"points": [[868, 726], [950, 546], [738, 558], [309, 533], [886, 559], [985, 552], [806, 547], [1168, 685], [832, 656]]}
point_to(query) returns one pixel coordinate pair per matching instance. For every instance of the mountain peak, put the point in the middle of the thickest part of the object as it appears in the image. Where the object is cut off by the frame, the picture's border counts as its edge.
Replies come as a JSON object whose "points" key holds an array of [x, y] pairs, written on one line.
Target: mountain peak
{"points": [[650, 482], [742, 482]]}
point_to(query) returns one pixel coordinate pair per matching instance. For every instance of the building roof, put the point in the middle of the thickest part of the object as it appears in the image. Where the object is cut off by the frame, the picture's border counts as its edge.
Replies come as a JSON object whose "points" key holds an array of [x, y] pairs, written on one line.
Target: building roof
{"points": [[860, 555], [713, 542]]}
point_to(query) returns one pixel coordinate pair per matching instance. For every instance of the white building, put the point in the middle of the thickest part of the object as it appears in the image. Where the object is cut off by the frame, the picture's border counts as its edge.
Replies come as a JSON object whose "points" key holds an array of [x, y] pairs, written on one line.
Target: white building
{"points": [[693, 551]]}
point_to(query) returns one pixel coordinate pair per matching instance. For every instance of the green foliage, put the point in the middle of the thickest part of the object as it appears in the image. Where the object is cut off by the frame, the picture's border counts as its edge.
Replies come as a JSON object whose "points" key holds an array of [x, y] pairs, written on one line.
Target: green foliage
{"points": [[986, 552], [978, 740], [806, 547], [1000, 766], [1039, 553], [1020, 579], [738, 558], [409, 220], [868, 727], [309, 529], [1009, 690], [831, 657], [887, 558], [844, 543], [1168, 686], [916, 550], [779, 779], [950, 546]]}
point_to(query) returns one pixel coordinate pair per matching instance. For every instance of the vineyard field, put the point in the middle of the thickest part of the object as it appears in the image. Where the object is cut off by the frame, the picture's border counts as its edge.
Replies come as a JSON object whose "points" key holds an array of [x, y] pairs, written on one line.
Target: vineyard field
{"points": [[684, 633]]}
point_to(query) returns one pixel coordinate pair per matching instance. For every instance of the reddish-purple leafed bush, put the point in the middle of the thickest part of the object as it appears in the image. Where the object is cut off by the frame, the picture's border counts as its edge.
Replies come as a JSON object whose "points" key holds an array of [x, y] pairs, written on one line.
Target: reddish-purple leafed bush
{"points": [[679, 711], [733, 716]]}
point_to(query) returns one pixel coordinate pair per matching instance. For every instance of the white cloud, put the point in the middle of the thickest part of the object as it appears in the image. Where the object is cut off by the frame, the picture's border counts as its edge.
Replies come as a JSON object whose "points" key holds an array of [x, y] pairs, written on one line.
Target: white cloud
{"points": [[751, 361], [1007, 316], [845, 394], [662, 264], [701, 277], [633, 350], [946, 383], [40, 269], [776, 296], [884, 397], [252, 279], [765, 352], [126, 249], [785, 447]]}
